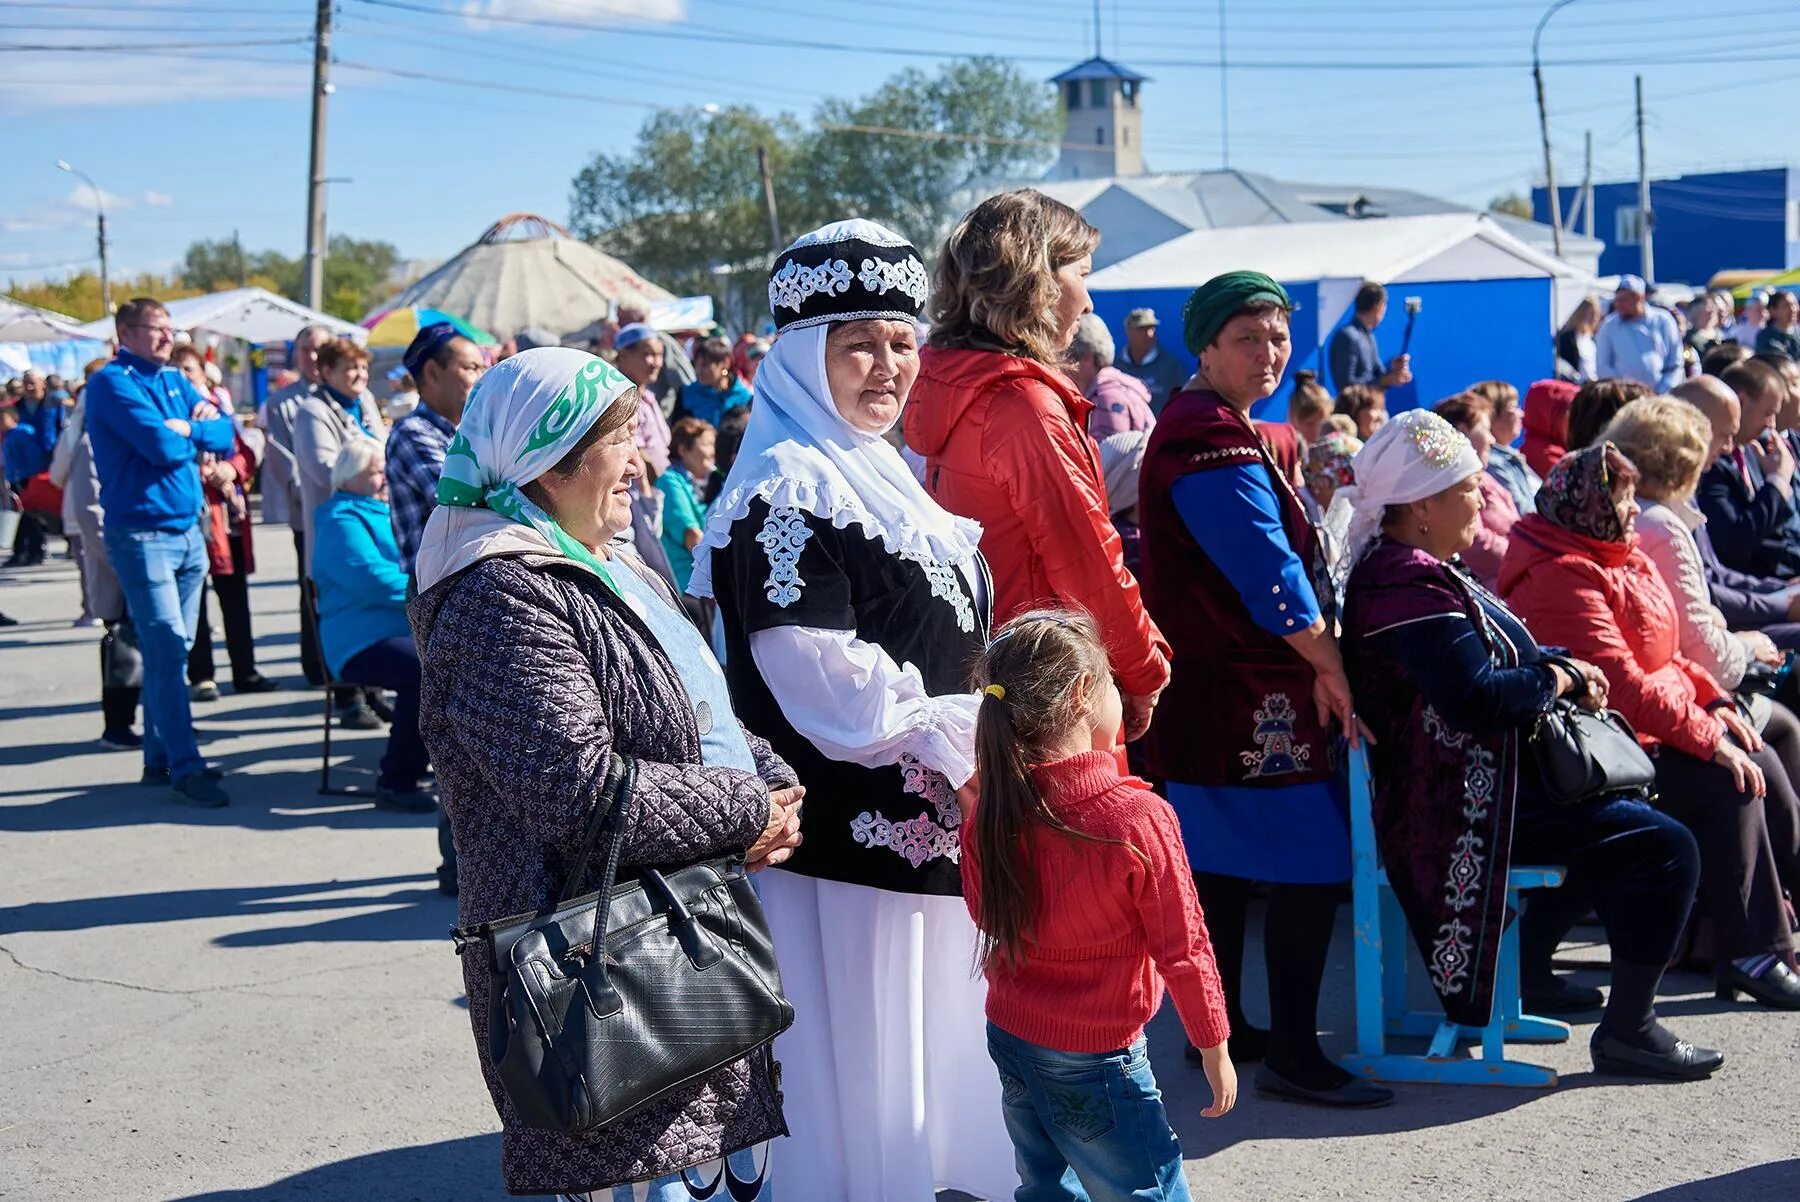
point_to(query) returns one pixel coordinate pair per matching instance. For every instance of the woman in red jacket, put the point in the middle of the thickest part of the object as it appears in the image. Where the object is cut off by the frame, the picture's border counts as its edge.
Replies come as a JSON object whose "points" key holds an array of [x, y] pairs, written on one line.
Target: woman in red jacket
{"points": [[1003, 429], [1575, 574]]}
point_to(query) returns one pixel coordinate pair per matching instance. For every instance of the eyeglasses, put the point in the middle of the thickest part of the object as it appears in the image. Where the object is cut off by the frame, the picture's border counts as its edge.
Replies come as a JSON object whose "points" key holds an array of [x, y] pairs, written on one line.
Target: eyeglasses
{"points": [[138, 325]]}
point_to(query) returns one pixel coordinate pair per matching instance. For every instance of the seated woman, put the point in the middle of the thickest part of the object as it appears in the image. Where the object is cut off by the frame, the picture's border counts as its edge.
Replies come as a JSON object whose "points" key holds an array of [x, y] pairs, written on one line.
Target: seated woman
{"points": [[1546, 424], [1575, 573], [1594, 405], [1470, 413], [362, 613], [1448, 679]]}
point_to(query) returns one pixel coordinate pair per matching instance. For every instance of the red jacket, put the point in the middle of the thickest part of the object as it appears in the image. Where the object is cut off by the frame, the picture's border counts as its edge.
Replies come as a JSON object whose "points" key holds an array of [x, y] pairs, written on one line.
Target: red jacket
{"points": [[1004, 443], [1607, 604], [1546, 423], [1111, 927], [219, 525]]}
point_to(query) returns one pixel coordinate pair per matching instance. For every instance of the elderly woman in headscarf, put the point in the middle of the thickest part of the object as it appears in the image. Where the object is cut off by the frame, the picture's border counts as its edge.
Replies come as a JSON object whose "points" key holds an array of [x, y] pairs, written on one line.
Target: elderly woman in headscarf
{"points": [[545, 647], [1575, 573], [1450, 680], [1247, 736], [852, 606]]}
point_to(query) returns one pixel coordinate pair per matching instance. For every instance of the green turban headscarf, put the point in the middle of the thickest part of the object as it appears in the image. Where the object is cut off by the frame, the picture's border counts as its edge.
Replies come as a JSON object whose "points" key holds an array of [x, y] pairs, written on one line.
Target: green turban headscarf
{"points": [[1220, 299]]}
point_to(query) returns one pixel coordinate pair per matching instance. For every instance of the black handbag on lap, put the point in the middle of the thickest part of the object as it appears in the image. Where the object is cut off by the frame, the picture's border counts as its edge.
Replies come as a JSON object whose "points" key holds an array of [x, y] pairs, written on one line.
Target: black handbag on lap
{"points": [[1583, 754], [609, 1001]]}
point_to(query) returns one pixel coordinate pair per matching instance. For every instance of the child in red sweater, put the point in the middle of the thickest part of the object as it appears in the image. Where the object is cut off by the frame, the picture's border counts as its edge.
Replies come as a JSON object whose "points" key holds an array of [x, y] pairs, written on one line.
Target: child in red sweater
{"points": [[1076, 876]]}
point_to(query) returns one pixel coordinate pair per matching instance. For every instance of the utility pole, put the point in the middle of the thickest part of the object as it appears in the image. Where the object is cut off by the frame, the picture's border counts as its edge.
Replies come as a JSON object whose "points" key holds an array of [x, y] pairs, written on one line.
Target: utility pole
{"points": [[315, 191], [237, 248], [1587, 189], [100, 223], [768, 182], [1537, 77], [1097, 53], [1646, 219]]}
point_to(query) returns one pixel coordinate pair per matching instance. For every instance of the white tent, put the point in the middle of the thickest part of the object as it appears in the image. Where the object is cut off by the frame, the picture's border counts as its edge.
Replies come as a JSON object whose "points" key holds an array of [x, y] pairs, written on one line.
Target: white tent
{"points": [[524, 272], [251, 314], [20, 322]]}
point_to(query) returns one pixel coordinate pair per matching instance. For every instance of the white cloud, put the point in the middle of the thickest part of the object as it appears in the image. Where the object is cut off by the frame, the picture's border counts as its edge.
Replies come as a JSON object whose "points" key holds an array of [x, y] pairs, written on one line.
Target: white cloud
{"points": [[597, 12], [158, 200], [75, 208], [56, 81]]}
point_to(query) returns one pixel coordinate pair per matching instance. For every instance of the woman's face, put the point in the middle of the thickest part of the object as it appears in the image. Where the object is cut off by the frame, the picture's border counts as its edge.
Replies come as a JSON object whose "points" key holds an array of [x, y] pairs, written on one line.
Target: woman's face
{"points": [[1371, 420], [1505, 424], [1625, 498], [1071, 278], [1481, 436], [1452, 518], [870, 367], [195, 373], [1246, 359], [713, 373], [700, 456], [348, 376], [595, 503]]}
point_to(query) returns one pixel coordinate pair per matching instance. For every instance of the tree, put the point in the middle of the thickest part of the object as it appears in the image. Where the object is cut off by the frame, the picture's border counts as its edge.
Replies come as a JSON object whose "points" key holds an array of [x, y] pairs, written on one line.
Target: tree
{"points": [[1511, 204], [985, 121], [357, 273], [79, 295]]}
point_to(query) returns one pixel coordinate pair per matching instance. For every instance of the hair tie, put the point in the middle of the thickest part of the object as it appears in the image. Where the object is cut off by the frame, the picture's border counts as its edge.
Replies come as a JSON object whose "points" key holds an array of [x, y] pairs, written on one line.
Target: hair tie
{"points": [[996, 691]]}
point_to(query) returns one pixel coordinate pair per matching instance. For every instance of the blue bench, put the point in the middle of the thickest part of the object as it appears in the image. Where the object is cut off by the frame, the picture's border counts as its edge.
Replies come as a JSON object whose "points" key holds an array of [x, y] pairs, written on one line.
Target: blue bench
{"points": [[1382, 1008]]}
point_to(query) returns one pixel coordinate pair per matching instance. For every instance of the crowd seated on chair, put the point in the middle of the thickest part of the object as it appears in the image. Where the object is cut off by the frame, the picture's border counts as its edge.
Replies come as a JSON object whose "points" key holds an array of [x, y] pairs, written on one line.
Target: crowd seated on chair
{"points": [[1576, 574], [1448, 681], [362, 613]]}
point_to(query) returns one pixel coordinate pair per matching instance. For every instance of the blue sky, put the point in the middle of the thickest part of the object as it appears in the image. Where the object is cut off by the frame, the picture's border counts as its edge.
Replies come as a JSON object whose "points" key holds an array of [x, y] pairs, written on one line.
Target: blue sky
{"points": [[199, 138]]}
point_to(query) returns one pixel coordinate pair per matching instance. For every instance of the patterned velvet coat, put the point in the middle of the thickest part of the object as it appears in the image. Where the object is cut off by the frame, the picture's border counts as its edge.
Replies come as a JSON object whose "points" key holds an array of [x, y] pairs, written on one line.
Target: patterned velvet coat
{"points": [[533, 673]]}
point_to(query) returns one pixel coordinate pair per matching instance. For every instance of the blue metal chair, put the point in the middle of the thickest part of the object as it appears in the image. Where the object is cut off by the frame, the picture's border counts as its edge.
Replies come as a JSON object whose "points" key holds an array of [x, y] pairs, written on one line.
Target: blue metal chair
{"points": [[1382, 1008]]}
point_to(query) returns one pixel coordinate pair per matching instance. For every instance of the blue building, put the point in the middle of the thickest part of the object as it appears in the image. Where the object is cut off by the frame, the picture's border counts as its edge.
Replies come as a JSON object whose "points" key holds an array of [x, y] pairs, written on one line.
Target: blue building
{"points": [[1705, 224]]}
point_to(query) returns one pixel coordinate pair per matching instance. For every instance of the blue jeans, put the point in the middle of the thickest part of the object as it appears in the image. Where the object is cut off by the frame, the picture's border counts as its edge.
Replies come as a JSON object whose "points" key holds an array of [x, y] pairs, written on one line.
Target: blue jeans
{"points": [[1086, 1126], [161, 574]]}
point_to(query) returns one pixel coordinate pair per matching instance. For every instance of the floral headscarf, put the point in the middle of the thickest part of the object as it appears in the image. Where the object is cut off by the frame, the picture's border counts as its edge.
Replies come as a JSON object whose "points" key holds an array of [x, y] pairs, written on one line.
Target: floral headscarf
{"points": [[1579, 493], [1328, 460]]}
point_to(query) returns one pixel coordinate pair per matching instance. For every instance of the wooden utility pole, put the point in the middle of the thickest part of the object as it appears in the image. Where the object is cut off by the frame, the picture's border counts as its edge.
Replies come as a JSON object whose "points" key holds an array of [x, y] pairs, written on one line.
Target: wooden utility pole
{"points": [[768, 182], [1646, 218], [315, 191]]}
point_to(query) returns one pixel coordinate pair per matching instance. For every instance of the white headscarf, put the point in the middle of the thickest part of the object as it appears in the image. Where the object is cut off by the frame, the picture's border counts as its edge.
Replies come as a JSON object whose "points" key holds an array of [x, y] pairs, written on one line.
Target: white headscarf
{"points": [[1415, 455], [798, 451], [525, 414]]}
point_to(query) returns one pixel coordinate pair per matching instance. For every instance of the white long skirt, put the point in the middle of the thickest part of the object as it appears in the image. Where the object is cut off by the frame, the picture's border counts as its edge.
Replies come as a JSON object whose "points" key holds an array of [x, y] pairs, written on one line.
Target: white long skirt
{"points": [[890, 1092]]}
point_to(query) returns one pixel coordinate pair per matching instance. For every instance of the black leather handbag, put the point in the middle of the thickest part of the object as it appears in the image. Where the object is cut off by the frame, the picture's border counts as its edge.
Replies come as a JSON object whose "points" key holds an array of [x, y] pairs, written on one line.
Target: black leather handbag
{"points": [[1583, 754], [609, 1001]]}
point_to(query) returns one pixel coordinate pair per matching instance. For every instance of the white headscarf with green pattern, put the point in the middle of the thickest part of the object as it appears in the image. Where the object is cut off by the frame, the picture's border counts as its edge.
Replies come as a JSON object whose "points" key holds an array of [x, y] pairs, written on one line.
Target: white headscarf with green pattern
{"points": [[525, 414]]}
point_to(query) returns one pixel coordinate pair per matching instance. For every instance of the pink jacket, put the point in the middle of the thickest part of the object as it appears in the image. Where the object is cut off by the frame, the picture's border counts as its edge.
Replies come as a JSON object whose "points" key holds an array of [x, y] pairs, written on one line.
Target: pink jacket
{"points": [[1121, 404]]}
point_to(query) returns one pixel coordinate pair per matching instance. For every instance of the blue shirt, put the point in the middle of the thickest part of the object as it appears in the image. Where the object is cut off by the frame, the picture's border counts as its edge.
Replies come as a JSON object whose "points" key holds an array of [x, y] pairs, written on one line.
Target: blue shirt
{"points": [[356, 566], [710, 404], [1647, 350], [1234, 515], [682, 511], [34, 439], [415, 460], [722, 742], [148, 480], [1355, 356]]}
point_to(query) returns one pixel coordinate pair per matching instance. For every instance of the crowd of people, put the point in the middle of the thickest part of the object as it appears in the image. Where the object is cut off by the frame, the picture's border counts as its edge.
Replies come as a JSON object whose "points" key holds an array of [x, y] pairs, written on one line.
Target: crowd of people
{"points": [[910, 606]]}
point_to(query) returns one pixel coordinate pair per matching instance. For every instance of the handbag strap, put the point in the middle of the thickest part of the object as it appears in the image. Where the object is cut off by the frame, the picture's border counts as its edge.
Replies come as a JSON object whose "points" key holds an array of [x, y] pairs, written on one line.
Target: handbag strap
{"points": [[606, 809]]}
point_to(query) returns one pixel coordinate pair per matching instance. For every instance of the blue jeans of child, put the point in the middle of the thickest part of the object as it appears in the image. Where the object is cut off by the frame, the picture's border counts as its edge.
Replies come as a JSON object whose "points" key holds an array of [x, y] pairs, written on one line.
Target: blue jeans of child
{"points": [[160, 573], [1086, 1126]]}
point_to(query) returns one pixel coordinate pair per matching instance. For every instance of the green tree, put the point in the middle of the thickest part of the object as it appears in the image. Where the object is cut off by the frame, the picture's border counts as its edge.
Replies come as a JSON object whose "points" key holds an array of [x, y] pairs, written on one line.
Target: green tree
{"points": [[1511, 204], [973, 125], [357, 273], [79, 295]]}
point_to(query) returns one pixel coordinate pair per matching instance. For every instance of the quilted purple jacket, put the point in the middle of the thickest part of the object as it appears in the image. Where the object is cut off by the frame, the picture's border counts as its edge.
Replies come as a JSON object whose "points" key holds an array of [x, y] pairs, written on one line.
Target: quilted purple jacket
{"points": [[533, 673]]}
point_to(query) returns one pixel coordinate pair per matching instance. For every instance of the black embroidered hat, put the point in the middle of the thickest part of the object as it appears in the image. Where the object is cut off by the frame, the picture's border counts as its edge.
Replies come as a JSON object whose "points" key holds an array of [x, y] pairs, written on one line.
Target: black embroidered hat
{"points": [[847, 271]]}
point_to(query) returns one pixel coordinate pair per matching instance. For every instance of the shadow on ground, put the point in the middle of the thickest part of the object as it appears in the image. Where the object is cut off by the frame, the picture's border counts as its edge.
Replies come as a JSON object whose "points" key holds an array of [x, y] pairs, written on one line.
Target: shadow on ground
{"points": [[455, 1170], [1778, 1179]]}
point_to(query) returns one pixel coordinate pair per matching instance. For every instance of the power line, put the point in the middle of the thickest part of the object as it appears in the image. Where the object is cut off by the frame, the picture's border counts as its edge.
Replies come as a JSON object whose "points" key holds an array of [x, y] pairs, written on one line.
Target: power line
{"points": [[147, 47]]}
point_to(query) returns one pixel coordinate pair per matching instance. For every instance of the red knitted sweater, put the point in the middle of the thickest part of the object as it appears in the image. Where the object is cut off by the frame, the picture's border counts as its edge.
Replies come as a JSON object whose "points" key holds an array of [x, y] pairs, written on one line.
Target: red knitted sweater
{"points": [[1109, 930]]}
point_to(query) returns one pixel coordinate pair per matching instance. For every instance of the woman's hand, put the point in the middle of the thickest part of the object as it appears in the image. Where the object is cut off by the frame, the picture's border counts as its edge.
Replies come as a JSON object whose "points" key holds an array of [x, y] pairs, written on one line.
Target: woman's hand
{"points": [[1595, 682], [1138, 712], [1739, 726], [781, 834], [1762, 648], [1744, 772], [1221, 1075], [1331, 694]]}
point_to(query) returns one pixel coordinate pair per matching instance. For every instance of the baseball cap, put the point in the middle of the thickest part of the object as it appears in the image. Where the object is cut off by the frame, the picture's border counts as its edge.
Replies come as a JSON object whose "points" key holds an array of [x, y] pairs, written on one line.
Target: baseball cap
{"points": [[1139, 319], [632, 334], [1631, 283]]}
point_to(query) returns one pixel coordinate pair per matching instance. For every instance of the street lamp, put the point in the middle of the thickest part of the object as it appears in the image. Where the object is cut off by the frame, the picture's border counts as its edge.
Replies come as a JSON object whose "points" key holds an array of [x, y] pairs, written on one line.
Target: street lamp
{"points": [[100, 215], [1537, 75]]}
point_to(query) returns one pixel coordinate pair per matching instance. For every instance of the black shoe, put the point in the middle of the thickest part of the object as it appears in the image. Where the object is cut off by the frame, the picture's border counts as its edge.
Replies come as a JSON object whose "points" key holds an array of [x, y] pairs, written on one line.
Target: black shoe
{"points": [[358, 716], [160, 776], [1354, 1094], [407, 801], [122, 740], [1559, 995], [203, 690], [201, 789], [1778, 988], [6, 621], [1684, 1062], [378, 703], [256, 682]]}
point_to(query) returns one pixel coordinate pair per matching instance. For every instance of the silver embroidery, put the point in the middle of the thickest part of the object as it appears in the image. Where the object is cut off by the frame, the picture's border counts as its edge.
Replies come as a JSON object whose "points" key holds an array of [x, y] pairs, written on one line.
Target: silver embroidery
{"points": [[908, 276], [790, 286], [947, 585], [918, 839], [933, 786], [784, 532], [1276, 752], [1452, 952]]}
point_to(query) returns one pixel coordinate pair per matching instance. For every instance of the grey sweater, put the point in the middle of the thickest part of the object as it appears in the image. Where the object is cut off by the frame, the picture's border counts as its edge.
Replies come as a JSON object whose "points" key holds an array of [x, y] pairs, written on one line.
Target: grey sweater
{"points": [[533, 673]]}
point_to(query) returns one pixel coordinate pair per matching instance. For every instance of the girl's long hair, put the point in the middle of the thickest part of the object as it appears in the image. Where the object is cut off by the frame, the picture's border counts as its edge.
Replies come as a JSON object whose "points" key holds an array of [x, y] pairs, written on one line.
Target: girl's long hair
{"points": [[1038, 661]]}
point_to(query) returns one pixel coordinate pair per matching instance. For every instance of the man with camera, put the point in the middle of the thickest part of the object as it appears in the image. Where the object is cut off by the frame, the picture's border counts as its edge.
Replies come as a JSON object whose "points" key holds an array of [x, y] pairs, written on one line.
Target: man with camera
{"points": [[1356, 356]]}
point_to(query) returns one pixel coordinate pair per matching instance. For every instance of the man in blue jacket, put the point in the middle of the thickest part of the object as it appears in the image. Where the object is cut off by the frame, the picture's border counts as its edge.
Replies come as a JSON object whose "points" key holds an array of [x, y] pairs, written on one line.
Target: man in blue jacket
{"points": [[146, 446]]}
